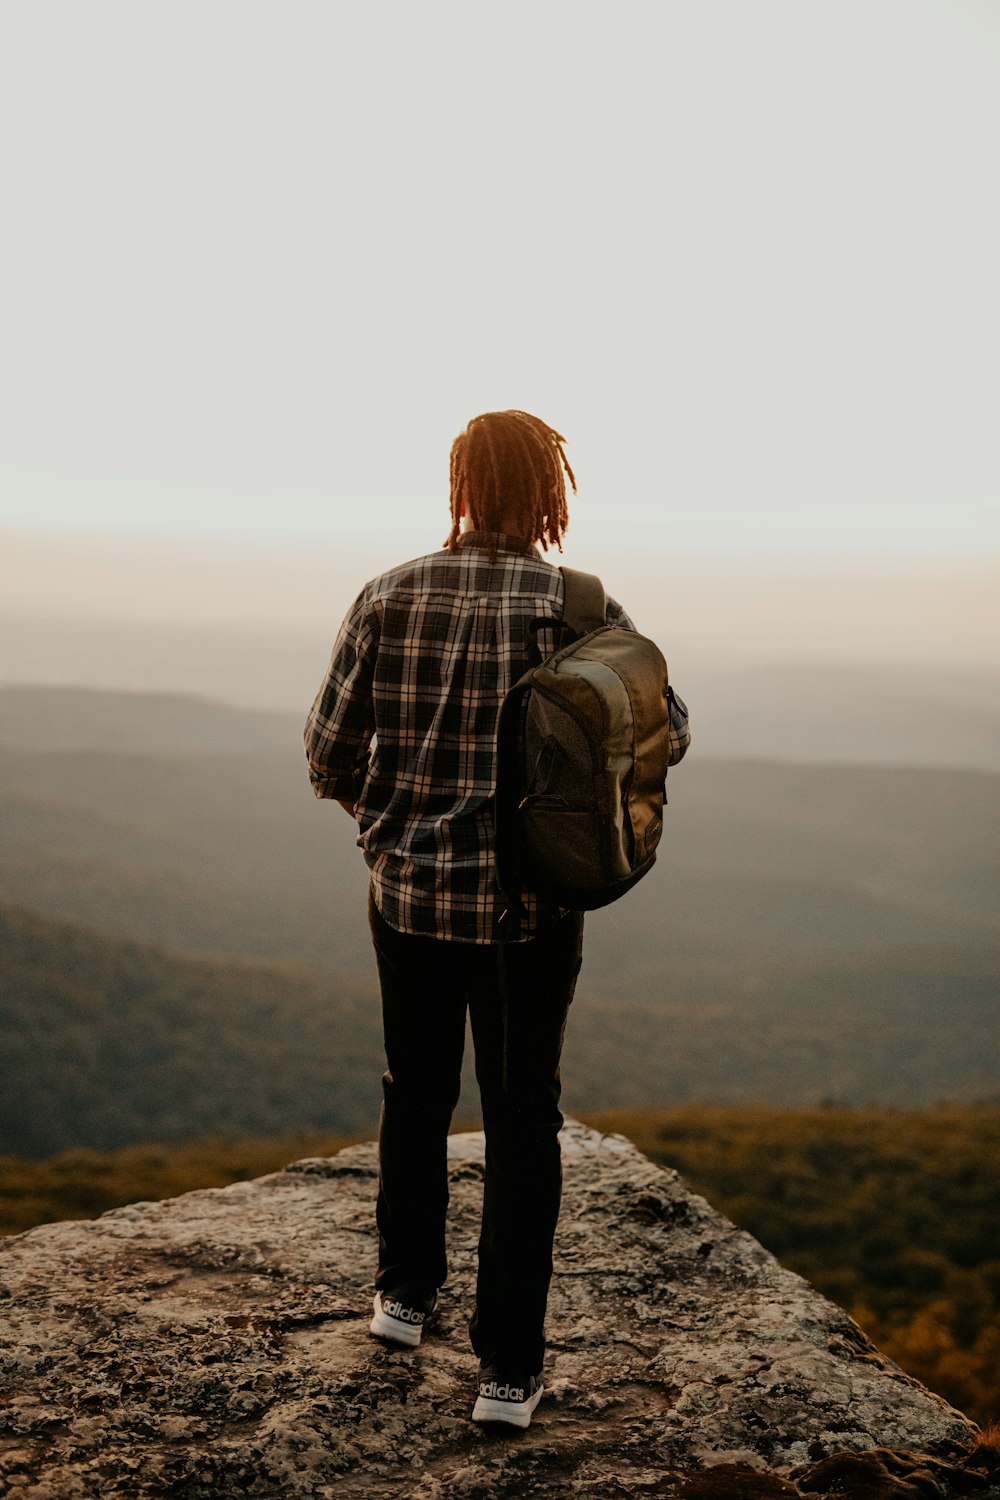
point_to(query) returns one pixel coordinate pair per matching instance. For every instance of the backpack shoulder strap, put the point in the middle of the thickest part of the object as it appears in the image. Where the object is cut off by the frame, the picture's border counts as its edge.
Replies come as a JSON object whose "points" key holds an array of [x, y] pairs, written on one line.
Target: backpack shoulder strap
{"points": [[584, 605]]}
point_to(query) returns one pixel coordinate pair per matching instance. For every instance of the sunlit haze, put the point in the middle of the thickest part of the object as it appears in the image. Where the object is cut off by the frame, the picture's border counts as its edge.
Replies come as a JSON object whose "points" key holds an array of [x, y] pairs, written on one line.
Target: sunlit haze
{"points": [[261, 264]]}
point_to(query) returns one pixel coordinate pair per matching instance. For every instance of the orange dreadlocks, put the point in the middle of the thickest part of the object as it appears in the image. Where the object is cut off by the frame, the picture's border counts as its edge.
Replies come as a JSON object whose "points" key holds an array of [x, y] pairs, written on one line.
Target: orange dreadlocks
{"points": [[507, 469]]}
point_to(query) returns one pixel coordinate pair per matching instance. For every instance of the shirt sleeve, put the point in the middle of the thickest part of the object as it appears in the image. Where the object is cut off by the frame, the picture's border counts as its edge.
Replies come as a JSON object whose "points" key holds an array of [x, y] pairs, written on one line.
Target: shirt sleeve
{"points": [[341, 722], [680, 730], [615, 615]]}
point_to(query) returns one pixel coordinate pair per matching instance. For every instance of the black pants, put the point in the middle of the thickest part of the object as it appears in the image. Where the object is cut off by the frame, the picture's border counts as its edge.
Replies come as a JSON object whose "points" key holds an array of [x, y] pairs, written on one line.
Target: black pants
{"points": [[426, 986]]}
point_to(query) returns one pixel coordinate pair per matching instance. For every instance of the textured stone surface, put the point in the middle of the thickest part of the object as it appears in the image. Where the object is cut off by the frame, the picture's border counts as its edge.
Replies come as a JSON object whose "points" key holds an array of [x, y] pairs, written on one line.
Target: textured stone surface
{"points": [[216, 1345]]}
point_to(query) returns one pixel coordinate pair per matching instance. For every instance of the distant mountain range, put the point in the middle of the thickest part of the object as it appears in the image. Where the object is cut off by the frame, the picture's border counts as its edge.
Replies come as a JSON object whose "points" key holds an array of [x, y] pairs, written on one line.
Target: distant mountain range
{"points": [[104, 1043], [818, 713], [809, 932]]}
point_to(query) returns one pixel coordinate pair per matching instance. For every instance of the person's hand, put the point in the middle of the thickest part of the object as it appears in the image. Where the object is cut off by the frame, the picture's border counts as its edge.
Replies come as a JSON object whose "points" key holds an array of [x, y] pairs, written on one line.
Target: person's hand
{"points": [[347, 805]]}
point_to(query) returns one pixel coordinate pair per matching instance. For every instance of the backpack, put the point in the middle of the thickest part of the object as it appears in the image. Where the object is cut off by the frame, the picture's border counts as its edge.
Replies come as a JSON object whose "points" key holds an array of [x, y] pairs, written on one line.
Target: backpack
{"points": [[583, 745]]}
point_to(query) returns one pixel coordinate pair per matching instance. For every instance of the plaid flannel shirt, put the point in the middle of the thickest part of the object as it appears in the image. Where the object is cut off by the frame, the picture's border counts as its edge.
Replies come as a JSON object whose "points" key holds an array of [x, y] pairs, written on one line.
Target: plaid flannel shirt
{"points": [[405, 726]]}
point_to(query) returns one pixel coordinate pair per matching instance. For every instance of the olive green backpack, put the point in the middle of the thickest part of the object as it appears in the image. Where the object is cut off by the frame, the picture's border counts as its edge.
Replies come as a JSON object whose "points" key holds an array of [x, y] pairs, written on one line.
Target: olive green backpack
{"points": [[583, 746]]}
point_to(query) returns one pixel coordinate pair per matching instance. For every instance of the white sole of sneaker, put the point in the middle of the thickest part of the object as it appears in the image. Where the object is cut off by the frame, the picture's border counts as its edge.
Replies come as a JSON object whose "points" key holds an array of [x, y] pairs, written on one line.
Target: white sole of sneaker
{"points": [[394, 1329], [514, 1413]]}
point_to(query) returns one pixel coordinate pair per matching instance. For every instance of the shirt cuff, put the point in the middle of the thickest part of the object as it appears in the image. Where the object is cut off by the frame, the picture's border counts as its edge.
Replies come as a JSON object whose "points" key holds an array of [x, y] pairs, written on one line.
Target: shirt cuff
{"points": [[335, 788]]}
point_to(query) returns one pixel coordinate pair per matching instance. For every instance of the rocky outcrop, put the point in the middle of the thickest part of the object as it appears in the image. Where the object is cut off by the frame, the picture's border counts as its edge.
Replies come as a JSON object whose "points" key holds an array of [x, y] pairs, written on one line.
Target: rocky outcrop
{"points": [[216, 1345]]}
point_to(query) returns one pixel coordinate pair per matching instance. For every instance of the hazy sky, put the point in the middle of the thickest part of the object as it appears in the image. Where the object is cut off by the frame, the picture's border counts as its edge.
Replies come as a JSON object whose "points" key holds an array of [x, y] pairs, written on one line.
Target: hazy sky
{"points": [[261, 262]]}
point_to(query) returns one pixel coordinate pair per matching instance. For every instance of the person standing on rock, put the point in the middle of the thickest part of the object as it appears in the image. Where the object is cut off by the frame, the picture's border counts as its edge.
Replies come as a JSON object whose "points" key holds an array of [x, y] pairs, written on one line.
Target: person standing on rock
{"points": [[402, 734]]}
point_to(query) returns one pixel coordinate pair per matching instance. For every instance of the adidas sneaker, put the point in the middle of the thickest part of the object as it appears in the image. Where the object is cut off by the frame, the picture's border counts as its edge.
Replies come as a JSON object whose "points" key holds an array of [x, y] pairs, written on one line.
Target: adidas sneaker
{"points": [[400, 1316], [506, 1396]]}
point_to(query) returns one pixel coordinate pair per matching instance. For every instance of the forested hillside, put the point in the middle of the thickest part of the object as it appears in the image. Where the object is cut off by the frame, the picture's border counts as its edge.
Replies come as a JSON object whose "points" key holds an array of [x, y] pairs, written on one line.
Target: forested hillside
{"points": [[103, 1043], [809, 932]]}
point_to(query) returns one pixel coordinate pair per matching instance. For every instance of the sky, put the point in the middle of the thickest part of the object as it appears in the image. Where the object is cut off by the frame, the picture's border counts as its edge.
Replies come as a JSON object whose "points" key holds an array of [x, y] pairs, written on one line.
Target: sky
{"points": [[261, 262]]}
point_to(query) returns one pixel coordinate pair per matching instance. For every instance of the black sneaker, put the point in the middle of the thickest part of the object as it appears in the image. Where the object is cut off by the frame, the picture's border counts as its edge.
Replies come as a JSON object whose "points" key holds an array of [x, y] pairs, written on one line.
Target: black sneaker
{"points": [[400, 1314], [506, 1395]]}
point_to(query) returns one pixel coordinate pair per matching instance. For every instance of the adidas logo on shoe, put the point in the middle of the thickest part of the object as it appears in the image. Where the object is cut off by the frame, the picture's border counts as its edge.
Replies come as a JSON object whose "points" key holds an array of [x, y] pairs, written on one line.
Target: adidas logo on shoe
{"points": [[505, 1396], [397, 1310], [500, 1392], [400, 1316]]}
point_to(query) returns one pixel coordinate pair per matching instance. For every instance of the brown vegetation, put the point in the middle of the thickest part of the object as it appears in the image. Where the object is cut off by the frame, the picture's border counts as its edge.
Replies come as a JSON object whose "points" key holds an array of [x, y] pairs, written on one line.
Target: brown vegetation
{"points": [[81, 1184]]}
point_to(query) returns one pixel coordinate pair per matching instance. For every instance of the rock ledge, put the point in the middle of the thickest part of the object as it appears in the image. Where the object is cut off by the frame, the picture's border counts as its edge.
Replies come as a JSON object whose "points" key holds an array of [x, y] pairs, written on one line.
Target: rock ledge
{"points": [[216, 1345]]}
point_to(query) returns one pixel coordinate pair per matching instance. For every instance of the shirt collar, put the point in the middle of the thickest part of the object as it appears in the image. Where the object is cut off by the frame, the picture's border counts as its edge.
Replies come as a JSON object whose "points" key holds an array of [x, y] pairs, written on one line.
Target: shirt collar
{"points": [[496, 541]]}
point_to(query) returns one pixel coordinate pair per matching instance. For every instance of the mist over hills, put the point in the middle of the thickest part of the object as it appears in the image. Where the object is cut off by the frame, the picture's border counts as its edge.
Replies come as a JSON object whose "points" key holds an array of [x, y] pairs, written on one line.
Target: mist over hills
{"points": [[818, 712], [145, 808], [105, 1043], [74, 718], [809, 933]]}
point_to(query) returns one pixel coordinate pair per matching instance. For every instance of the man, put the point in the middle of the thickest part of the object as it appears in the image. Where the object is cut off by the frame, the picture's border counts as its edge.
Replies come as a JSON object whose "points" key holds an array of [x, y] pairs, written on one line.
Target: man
{"points": [[402, 734]]}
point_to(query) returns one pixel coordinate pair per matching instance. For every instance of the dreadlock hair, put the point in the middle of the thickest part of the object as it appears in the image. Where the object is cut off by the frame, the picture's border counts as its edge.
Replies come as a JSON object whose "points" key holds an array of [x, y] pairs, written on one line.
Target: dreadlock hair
{"points": [[507, 469]]}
